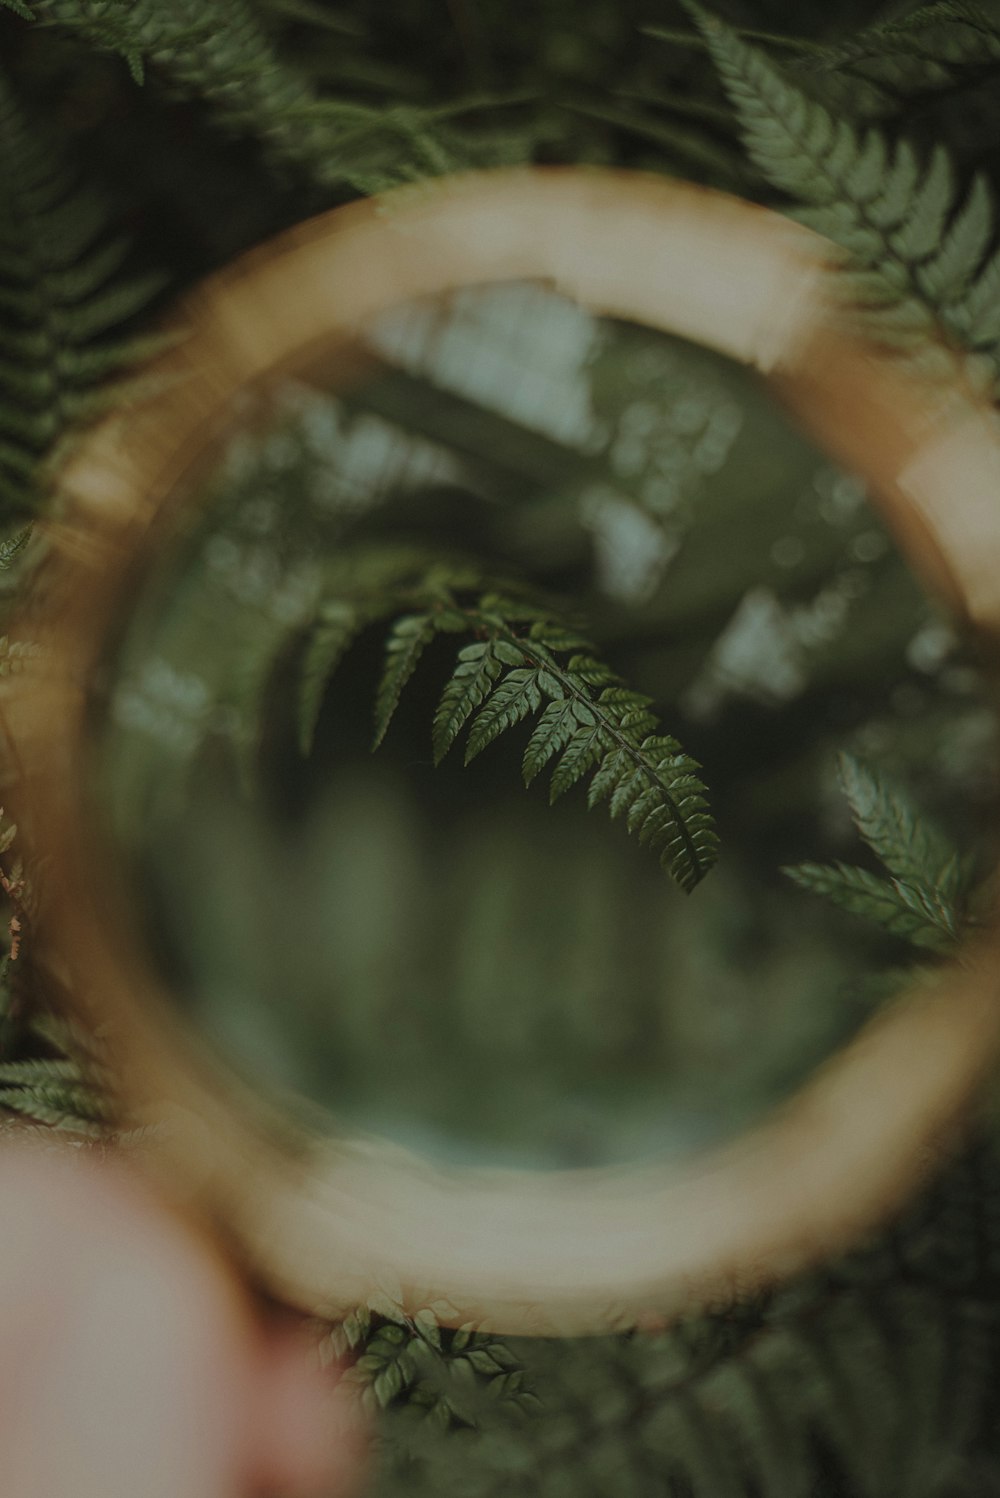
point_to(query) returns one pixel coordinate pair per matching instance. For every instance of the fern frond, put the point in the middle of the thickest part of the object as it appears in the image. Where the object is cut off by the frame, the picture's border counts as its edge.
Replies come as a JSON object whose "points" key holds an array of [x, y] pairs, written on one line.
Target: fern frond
{"points": [[77, 1109], [514, 667], [56, 1090], [910, 911], [918, 242], [338, 624], [11, 548], [60, 304], [558, 727], [44, 1069], [589, 722], [936, 41], [407, 641], [218, 51], [105, 23], [460, 1379], [911, 847], [510, 702]]}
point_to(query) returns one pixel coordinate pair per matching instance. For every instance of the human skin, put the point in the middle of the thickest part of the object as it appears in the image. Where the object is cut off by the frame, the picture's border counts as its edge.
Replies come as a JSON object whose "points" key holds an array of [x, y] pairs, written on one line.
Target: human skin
{"points": [[133, 1361]]}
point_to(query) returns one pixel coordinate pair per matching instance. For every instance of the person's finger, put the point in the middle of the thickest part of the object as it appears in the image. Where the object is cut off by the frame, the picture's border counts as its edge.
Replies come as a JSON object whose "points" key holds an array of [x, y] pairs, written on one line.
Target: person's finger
{"points": [[131, 1359], [312, 1435]]}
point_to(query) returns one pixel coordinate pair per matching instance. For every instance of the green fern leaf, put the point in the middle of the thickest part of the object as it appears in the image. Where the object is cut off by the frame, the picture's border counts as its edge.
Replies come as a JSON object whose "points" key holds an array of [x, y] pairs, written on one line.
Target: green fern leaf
{"points": [[219, 52], [864, 174], [939, 39], [615, 769], [627, 709], [92, 363], [58, 302], [509, 653], [898, 190], [59, 1104], [584, 750], [113, 307], [594, 672], [589, 721], [961, 252], [471, 683], [557, 725], [977, 314], [912, 849], [681, 1428], [85, 274], [908, 911], [407, 642], [655, 784], [557, 638], [338, 625], [517, 695], [921, 261], [24, 1073], [922, 229]]}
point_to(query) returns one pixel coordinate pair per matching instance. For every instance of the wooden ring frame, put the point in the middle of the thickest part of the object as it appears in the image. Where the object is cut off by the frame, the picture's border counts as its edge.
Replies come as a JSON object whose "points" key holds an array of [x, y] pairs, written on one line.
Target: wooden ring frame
{"points": [[330, 1224]]}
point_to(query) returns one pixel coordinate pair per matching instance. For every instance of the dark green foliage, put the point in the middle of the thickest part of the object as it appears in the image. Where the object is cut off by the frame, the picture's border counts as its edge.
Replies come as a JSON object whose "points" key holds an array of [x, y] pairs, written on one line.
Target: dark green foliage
{"points": [[57, 1077], [336, 626], [876, 1375], [371, 585], [63, 297], [220, 51], [54, 1093], [449, 1380], [525, 662], [918, 245], [11, 548], [923, 900], [946, 44], [898, 833], [899, 908], [867, 1378]]}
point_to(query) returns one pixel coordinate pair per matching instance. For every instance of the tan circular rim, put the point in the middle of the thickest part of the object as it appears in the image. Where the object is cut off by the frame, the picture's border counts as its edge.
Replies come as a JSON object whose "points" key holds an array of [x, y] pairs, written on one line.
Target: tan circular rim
{"points": [[331, 1224]]}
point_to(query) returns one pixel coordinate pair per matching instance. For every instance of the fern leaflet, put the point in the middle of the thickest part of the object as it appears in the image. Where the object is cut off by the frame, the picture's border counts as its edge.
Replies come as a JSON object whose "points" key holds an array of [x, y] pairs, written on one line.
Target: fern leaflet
{"points": [[408, 639], [922, 901], [935, 40], [338, 624], [910, 846], [918, 244], [472, 680], [519, 694], [905, 910]]}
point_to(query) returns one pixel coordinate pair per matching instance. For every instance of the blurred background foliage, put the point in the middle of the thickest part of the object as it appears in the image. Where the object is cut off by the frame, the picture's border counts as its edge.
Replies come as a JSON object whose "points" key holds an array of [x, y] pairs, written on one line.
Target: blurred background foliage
{"points": [[516, 980]]}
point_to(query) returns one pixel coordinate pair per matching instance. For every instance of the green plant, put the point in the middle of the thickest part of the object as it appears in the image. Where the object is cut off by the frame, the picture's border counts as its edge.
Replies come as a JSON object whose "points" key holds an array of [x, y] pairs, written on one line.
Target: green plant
{"points": [[65, 292], [923, 900], [524, 661], [199, 129]]}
